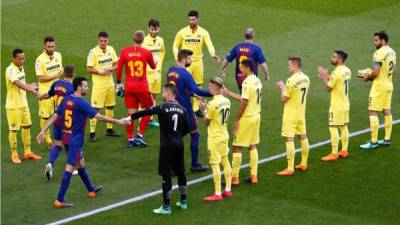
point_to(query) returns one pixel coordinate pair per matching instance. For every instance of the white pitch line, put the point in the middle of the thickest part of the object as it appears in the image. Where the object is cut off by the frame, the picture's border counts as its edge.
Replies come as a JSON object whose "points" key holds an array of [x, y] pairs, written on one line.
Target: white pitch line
{"points": [[195, 181]]}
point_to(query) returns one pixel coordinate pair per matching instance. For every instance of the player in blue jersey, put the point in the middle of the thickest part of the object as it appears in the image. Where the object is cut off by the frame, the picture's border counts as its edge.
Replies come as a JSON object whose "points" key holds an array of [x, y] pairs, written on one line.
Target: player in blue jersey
{"points": [[186, 87], [246, 50], [59, 89], [73, 113]]}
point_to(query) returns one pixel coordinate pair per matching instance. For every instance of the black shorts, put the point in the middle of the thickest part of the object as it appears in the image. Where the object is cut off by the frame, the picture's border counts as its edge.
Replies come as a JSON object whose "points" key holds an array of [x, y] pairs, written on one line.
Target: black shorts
{"points": [[171, 159]]}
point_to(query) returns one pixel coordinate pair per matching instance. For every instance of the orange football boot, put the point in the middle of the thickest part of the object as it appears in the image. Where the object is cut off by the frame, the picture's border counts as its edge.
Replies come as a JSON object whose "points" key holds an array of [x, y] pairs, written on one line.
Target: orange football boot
{"points": [[286, 172], [15, 159], [330, 157], [235, 181], [301, 167], [32, 155], [343, 154], [252, 179]]}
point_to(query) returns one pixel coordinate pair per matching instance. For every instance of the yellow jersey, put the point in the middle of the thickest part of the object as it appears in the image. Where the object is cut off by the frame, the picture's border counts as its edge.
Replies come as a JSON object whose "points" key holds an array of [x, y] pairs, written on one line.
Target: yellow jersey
{"points": [[16, 97], [252, 91], [218, 111], [386, 58], [193, 40], [101, 59], [339, 82], [297, 87], [157, 48], [47, 66]]}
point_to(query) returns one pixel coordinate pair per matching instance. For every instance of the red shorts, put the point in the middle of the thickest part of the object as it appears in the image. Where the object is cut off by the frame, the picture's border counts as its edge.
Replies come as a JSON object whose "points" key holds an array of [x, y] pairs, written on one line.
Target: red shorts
{"points": [[135, 99]]}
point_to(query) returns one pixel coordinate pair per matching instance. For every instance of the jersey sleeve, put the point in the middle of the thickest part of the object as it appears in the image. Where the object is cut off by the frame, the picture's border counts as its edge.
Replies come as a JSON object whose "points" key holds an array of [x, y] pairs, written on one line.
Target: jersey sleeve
{"points": [[245, 90], [114, 55], [260, 56], [120, 66], [39, 67], [162, 54], [151, 111], [209, 43], [60, 58], [377, 59], [51, 91], [87, 109], [288, 90], [195, 89], [231, 55], [90, 59], [177, 43], [11, 75], [333, 80]]}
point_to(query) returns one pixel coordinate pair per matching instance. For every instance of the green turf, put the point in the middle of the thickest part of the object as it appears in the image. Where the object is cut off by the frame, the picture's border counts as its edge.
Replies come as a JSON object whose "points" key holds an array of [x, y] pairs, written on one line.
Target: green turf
{"points": [[309, 28]]}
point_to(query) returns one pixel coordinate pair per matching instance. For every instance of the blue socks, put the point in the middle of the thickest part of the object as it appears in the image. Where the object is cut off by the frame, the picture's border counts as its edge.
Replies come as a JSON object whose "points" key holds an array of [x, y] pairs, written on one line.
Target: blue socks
{"points": [[54, 153], [194, 147], [85, 178], [64, 186]]}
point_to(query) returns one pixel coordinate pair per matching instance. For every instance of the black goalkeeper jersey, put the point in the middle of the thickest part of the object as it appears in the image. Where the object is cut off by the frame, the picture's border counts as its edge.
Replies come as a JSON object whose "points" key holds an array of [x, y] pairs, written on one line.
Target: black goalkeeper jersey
{"points": [[173, 123]]}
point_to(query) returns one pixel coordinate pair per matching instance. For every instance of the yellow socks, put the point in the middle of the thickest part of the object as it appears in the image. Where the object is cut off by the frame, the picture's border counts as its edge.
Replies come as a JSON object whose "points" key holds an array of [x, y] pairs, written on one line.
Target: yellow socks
{"points": [[290, 151], [374, 121], [217, 178], [12, 138], [334, 139], [26, 139], [195, 104], [92, 125], [227, 173], [110, 113], [47, 138], [305, 149], [388, 127], [344, 133], [253, 162], [236, 161]]}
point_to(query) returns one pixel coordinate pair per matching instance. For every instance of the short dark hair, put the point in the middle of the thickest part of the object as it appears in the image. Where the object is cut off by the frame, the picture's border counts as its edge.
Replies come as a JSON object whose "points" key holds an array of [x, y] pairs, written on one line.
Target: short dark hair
{"points": [[154, 23], [342, 54], [103, 34], [382, 35], [171, 87], [69, 71], [248, 63], [48, 39], [296, 60], [184, 53], [193, 13], [16, 52], [78, 81]]}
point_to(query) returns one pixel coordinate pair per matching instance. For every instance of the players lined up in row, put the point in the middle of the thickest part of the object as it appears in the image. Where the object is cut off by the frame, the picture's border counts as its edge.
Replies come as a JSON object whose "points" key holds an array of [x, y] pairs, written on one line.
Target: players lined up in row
{"points": [[246, 124]]}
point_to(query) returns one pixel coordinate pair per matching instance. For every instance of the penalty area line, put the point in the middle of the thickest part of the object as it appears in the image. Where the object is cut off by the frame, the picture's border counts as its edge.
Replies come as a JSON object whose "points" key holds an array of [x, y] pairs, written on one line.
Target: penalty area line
{"points": [[195, 181]]}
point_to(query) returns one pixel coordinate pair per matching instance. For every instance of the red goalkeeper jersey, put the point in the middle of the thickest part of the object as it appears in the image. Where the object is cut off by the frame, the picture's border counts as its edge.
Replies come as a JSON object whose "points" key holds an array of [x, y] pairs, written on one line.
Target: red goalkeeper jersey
{"points": [[135, 59]]}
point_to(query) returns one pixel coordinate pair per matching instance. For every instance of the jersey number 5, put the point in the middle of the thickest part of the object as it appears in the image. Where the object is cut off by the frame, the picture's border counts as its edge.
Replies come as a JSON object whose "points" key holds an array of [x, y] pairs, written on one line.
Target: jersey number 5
{"points": [[68, 118]]}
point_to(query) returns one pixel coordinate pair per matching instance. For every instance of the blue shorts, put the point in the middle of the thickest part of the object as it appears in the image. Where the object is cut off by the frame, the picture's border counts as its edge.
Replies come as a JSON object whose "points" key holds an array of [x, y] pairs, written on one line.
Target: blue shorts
{"points": [[74, 154], [192, 120], [57, 132]]}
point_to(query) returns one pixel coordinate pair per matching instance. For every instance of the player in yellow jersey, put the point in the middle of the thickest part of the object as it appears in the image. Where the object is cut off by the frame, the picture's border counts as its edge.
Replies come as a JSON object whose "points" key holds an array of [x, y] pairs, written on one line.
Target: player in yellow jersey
{"points": [[101, 63], [18, 114], [155, 44], [48, 68], [380, 96], [216, 120], [294, 97], [193, 37], [338, 85], [246, 126]]}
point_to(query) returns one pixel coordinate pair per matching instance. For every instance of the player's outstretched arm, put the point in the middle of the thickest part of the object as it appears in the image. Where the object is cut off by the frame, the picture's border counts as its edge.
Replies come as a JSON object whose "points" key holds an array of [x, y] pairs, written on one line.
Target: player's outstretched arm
{"points": [[195, 89], [108, 119], [27, 87], [147, 112], [266, 72], [40, 136], [230, 94]]}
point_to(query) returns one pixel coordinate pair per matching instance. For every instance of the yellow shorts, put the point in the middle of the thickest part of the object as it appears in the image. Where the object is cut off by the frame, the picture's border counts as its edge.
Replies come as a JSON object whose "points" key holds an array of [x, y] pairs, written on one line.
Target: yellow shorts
{"points": [[18, 118], [154, 81], [248, 132], [338, 118], [103, 96], [216, 151], [196, 69], [291, 128], [46, 107], [379, 100]]}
